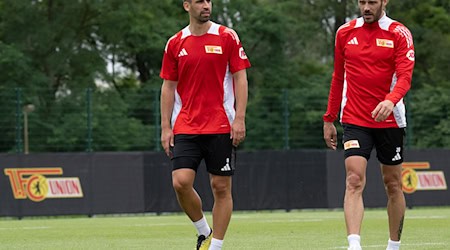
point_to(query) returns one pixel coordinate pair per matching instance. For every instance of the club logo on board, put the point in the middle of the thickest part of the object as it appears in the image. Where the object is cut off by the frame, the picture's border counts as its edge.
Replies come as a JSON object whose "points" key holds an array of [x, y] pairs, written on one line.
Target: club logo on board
{"points": [[413, 180], [34, 184]]}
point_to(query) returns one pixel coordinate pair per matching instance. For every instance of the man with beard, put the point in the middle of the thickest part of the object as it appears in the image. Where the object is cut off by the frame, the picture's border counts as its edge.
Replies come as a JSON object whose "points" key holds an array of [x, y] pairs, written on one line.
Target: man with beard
{"points": [[374, 61], [203, 106]]}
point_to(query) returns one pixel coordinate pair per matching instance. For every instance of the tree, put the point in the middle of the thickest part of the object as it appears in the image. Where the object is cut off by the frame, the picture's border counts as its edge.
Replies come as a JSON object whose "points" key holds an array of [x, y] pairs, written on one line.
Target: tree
{"points": [[51, 51], [56, 49], [429, 22]]}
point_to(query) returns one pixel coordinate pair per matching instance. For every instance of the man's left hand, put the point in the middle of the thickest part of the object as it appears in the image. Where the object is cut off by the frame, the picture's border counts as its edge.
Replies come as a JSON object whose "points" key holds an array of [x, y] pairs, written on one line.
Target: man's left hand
{"points": [[238, 131]]}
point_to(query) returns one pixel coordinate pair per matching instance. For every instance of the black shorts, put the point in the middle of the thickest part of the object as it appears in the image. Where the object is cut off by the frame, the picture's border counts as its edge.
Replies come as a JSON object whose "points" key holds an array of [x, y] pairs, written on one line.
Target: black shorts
{"points": [[216, 149], [388, 143]]}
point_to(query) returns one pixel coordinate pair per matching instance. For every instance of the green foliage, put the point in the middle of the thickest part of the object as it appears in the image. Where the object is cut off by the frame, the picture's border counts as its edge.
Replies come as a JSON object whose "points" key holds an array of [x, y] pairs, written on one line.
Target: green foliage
{"points": [[111, 131], [429, 22], [54, 49], [13, 64], [431, 123]]}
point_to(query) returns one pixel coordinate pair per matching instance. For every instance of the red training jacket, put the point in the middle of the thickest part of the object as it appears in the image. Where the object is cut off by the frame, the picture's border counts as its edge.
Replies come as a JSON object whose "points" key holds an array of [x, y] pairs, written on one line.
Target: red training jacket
{"points": [[373, 62]]}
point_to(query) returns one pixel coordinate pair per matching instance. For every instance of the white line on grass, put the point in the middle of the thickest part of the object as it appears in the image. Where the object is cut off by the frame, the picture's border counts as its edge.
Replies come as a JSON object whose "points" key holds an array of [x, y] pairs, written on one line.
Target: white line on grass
{"points": [[23, 228], [160, 224], [426, 217], [403, 244], [291, 220]]}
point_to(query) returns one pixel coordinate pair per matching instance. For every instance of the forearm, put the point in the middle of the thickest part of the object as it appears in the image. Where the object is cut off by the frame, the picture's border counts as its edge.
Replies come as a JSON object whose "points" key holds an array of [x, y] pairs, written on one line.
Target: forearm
{"points": [[334, 99], [241, 94], [404, 72], [337, 84], [399, 91]]}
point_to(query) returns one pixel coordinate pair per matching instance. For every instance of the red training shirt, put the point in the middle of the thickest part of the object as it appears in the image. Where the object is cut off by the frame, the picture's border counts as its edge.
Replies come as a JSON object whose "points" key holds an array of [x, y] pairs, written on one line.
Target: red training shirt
{"points": [[203, 66], [373, 62]]}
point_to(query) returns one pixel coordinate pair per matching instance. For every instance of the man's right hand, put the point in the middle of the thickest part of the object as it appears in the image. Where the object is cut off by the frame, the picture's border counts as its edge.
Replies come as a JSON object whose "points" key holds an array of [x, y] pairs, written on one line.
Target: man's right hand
{"points": [[330, 135], [167, 140]]}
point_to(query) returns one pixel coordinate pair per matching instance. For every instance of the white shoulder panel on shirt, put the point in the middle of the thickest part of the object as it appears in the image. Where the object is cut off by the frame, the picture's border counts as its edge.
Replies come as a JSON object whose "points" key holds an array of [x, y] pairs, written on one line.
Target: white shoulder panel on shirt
{"points": [[385, 22], [214, 29], [185, 32], [359, 22]]}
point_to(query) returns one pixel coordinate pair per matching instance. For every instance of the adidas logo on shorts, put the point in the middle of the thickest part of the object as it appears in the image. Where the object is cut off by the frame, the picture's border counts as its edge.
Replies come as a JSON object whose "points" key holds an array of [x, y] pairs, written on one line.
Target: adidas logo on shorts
{"points": [[227, 166], [397, 156]]}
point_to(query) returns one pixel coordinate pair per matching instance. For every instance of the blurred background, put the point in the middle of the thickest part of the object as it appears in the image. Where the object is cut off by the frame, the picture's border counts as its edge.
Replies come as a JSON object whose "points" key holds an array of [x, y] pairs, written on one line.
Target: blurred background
{"points": [[83, 76]]}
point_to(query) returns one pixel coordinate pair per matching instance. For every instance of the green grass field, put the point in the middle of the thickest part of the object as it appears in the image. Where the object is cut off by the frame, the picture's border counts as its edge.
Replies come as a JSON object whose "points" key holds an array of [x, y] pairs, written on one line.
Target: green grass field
{"points": [[425, 228]]}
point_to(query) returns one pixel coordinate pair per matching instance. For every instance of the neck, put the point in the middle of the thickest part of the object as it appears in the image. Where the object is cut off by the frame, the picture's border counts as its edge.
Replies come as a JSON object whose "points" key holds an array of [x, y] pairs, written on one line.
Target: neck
{"points": [[198, 29], [381, 16]]}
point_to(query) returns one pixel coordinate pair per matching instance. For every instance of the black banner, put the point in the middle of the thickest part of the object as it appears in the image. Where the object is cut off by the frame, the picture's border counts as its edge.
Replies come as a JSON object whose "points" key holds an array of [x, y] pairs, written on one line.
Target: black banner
{"points": [[103, 183]]}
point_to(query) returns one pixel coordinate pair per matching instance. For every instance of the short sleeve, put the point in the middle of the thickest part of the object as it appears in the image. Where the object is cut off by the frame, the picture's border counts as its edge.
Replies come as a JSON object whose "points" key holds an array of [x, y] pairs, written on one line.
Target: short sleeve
{"points": [[237, 58], [169, 68]]}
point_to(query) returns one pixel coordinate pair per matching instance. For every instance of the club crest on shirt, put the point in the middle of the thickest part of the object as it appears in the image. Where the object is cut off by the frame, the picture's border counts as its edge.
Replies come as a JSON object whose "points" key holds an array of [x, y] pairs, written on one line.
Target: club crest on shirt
{"points": [[242, 54], [385, 43], [212, 49], [410, 55], [351, 144]]}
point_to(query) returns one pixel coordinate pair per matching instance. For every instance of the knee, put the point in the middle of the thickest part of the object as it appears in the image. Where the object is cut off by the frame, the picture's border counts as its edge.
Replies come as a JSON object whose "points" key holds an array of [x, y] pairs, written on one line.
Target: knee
{"points": [[221, 189], [355, 182], [181, 185], [393, 187]]}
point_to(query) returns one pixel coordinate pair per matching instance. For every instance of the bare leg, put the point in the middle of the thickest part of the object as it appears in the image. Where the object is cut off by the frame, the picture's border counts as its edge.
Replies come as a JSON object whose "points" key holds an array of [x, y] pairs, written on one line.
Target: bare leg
{"points": [[223, 204], [353, 202], [392, 177], [189, 200]]}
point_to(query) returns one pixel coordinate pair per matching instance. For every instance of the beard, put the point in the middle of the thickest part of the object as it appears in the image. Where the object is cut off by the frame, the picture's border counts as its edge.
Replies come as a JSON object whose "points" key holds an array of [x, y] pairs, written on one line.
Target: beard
{"points": [[373, 17], [203, 18]]}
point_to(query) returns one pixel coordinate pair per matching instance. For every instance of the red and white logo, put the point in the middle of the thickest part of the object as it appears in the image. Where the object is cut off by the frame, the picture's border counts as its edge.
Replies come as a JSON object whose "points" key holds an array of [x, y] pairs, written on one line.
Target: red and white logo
{"points": [[413, 180], [34, 184], [410, 55], [242, 54]]}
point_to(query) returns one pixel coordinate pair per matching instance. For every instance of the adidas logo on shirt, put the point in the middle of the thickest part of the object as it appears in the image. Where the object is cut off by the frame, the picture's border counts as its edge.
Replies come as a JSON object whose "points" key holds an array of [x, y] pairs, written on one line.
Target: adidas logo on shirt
{"points": [[397, 156], [182, 53], [354, 41], [227, 166]]}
